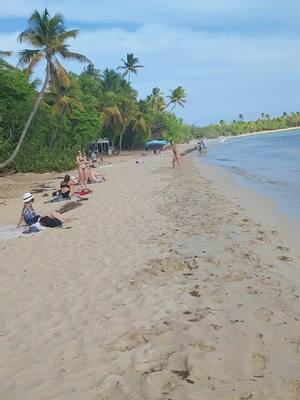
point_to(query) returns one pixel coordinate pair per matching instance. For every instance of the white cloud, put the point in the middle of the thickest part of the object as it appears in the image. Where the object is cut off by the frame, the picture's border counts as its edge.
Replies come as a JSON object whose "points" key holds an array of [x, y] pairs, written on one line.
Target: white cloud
{"points": [[224, 74]]}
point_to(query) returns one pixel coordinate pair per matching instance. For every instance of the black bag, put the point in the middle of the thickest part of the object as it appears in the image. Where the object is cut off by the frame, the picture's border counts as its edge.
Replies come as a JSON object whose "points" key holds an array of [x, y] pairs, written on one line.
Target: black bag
{"points": [[49, 222]]}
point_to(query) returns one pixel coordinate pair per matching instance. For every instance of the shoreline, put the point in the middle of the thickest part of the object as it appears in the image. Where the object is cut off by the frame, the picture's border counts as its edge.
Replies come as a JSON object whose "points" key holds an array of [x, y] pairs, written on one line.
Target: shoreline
{"points": [[165, 287], [256, 133], [257, 205]]}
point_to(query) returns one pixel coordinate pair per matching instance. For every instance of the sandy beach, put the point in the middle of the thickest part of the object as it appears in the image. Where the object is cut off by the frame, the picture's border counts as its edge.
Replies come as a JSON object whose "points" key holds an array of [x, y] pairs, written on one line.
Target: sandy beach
{"points": [[167, 286]]}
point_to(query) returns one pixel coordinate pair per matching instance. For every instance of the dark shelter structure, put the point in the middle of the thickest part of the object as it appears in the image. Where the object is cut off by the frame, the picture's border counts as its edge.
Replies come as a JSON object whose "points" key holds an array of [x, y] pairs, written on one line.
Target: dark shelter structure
{"points": [[101, 146]]}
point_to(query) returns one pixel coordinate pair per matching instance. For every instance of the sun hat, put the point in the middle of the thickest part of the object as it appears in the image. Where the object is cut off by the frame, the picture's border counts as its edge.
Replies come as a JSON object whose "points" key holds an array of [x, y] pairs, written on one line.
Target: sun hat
{"points": [[27, 197]]}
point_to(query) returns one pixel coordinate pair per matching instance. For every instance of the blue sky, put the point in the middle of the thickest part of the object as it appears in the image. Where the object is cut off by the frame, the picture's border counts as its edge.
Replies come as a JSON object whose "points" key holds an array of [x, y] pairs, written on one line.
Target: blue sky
{"points": [[231, 56]]}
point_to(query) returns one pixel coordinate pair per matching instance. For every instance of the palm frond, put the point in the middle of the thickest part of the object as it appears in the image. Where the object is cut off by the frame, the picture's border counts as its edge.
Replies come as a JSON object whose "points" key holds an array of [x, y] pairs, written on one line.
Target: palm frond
{"points": [[34, 61], [70, 55], [26, 56], [59, 75], [68, 35], [29, 36]]}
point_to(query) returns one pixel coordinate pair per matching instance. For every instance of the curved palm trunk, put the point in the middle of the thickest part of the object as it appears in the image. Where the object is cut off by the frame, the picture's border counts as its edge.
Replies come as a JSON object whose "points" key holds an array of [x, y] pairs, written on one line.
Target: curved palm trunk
{"points": [[120, 140], [29, 120], [134, 141], [58, 124]]}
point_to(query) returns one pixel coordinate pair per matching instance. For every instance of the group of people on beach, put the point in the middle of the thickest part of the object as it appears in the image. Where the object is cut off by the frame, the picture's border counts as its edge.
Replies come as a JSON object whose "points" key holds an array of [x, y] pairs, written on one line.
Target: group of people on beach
{"points": [[201, 148], [86, 174]]}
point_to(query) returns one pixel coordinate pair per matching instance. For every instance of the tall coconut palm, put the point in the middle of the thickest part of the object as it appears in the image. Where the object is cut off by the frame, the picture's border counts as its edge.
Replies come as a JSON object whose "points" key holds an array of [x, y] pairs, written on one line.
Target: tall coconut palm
{"points": [[47, 36], [111, 80], [140, 123], [156, 99], [130, 65], [177, 96]]}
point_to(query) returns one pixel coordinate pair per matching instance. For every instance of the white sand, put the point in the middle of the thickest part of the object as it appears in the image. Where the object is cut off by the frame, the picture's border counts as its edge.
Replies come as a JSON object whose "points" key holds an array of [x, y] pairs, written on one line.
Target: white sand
{"points": [[162, 289]]}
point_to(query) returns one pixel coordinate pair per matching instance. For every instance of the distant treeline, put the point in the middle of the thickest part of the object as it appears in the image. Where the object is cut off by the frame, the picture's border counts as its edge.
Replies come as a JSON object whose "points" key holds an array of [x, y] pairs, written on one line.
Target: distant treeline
{"points": [[240, 126]]}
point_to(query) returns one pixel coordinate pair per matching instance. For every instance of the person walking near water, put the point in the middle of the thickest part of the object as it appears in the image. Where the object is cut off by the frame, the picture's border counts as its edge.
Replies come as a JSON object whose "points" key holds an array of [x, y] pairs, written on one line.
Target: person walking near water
{"points": [[175, 160], [203, 147]]}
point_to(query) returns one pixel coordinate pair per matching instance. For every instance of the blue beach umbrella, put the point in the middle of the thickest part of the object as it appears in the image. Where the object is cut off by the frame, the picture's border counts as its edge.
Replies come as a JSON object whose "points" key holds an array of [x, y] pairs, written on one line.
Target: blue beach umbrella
{"points": [[156, 143]]}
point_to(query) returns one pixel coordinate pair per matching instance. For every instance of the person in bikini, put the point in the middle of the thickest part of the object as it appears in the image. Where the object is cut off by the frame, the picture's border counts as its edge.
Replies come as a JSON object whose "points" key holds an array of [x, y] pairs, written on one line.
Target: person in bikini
{"points": [[67, 187], [175, 160], [30, 217], [83, 170]]}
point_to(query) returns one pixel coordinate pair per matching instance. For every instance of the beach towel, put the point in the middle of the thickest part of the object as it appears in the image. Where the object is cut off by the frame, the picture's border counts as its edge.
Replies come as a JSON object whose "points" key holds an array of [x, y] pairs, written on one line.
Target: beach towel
{"points": [[10, 232], [68, 206]]}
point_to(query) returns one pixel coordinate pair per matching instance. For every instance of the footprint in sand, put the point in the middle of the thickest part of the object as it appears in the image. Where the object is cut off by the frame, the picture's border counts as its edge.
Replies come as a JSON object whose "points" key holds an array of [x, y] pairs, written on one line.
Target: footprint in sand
{"points": [[285, 258], [206, 348], [252, 290], [263, 314], [246, 396], [296, 384], [282, 248], [294, 343], [257, 364], [195, 293]]}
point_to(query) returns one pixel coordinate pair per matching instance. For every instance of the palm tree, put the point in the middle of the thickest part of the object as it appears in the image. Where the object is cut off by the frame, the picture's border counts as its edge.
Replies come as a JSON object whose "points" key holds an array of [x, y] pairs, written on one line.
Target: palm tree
{"points": [[140, 123], [92, 72], [130, 65], [177, 96], [111, 80], [156, 99], [241, 117], [48, 38]]}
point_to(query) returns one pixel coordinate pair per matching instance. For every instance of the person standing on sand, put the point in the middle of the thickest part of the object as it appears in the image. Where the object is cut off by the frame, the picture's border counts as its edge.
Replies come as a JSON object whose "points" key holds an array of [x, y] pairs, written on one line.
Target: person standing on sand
{"points": [[203, 147], [175, 160], [83, 170]]}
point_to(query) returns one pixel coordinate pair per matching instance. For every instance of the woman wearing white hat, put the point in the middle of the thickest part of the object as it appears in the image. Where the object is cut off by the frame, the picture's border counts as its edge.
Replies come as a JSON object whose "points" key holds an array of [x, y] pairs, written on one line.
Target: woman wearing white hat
{"points": [[30, 217]]}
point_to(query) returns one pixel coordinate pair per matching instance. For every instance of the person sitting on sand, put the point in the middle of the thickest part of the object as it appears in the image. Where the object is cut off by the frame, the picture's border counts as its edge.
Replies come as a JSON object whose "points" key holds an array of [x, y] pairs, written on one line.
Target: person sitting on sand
{"points": [[30, 217], [94, 176], [175, 160], [83, 170], [67, 187]]}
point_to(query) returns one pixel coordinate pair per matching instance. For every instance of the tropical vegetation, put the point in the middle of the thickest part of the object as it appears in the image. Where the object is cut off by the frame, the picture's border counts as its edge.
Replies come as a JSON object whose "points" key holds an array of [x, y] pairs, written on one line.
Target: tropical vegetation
{"points": [[42, 129]]}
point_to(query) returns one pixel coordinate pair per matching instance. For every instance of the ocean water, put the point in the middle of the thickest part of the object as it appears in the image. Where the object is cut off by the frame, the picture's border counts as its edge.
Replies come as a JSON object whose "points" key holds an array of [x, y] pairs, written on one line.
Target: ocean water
{"points": [[267, 163]]}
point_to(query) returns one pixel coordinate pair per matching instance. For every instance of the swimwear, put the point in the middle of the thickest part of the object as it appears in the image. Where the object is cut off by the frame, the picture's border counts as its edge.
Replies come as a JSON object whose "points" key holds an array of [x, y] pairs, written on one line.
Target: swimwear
{"points": [[65, 195], [30, 216]]}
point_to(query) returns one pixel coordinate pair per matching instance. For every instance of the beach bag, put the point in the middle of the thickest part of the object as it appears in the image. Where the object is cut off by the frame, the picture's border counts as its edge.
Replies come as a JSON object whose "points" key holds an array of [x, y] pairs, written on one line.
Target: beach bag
{"points": [[49, 222]]}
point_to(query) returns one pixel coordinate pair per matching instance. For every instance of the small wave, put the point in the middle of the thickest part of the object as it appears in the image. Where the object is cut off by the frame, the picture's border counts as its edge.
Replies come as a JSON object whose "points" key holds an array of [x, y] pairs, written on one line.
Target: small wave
{"points": [[257, 178]]}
